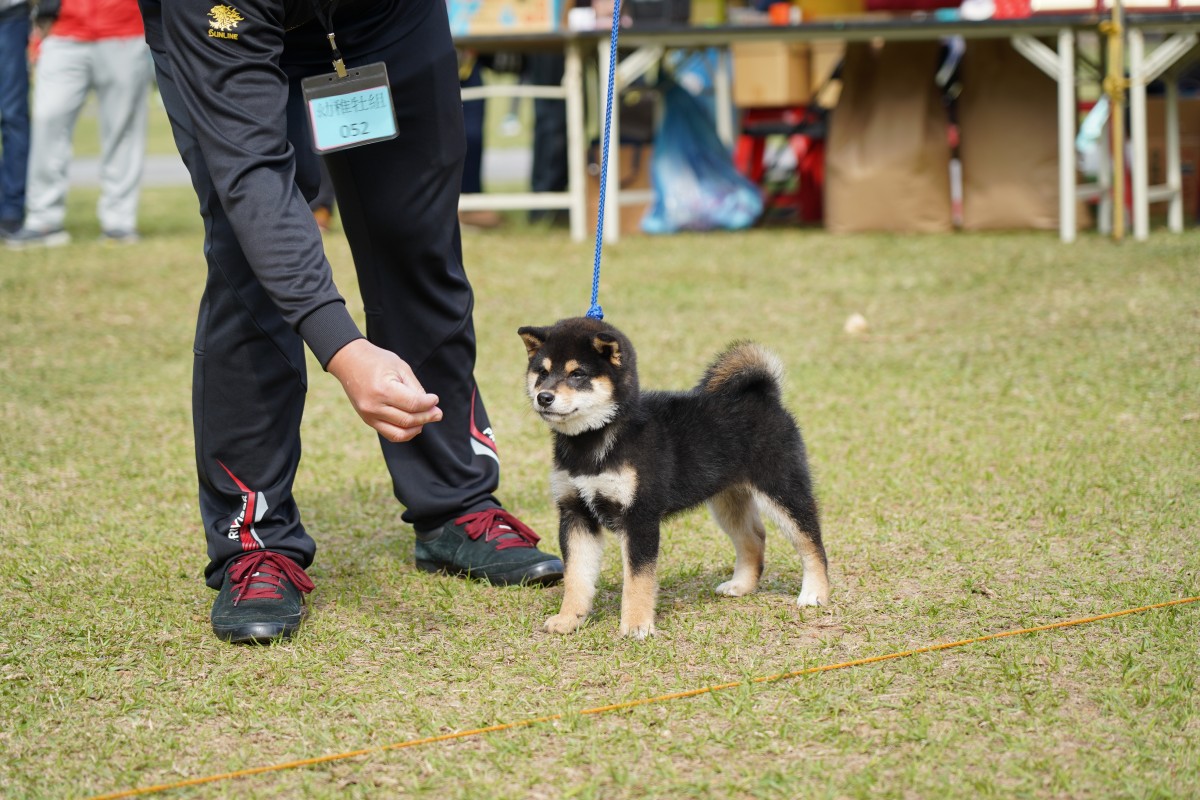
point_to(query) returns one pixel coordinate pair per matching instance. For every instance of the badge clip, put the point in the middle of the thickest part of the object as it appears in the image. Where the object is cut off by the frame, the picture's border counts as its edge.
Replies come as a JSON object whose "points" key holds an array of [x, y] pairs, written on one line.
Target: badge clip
{"points": [[338, 64]]}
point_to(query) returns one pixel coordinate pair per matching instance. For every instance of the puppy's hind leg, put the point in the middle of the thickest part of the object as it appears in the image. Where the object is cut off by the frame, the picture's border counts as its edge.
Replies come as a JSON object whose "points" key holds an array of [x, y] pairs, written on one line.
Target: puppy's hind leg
{"points": [[639, 592], [795, 511], [736, 512]]}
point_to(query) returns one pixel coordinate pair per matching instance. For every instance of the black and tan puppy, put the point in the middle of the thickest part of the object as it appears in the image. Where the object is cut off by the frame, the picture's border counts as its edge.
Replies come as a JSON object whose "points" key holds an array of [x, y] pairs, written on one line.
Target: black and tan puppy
{"points": [[625, 459]]}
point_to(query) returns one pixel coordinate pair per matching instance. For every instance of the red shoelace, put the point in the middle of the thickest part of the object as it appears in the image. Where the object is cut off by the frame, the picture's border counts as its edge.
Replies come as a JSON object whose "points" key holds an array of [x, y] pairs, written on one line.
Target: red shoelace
{"points": [[260, 576], [496, 523]]}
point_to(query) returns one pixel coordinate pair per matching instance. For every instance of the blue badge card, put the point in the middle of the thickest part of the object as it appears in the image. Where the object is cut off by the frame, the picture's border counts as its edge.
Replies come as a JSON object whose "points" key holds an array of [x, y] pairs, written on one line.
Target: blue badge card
{"points": [[350, 111]]}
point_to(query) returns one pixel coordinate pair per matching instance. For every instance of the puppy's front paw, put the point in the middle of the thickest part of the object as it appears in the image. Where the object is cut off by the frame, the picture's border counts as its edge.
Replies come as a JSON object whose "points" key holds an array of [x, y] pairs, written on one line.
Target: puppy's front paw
{"points": [[639, 632], [563, 623], [734, 588]]}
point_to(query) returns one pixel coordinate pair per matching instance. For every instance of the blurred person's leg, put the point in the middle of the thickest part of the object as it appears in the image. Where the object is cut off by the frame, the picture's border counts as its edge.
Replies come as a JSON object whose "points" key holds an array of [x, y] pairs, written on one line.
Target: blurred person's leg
{"points": [[473, 116], [472, 180], [122, 81], [249, 381], [399, 200], [549, 171], [322, 204], [416, 294], [14, 118], [64, 76]]}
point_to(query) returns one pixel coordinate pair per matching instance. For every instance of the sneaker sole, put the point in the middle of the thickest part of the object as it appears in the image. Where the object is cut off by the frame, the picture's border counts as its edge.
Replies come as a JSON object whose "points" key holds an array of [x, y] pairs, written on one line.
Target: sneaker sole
{"points": [[258, 632], [547, 573], [49, 240]]}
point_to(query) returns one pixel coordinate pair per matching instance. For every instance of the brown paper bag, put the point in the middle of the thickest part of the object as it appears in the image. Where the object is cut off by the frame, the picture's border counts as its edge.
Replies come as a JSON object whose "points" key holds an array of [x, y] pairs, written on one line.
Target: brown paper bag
{"points": [[1008, 123], [887, 162]]}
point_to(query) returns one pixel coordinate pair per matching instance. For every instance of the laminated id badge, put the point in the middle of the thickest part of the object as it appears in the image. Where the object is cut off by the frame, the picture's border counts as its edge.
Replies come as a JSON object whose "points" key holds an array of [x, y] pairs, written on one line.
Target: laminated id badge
{"points": [[350, 111]]}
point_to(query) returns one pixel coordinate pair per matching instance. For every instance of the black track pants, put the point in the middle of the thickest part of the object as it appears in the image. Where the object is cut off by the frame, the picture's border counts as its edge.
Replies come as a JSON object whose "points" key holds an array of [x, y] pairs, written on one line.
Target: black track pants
{"points": [[398, 202]]}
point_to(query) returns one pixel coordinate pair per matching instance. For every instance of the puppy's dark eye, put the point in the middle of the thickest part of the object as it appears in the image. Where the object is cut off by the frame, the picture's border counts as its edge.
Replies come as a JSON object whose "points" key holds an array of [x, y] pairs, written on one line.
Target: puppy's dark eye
{"points": [[542, 373], [578, 374]]}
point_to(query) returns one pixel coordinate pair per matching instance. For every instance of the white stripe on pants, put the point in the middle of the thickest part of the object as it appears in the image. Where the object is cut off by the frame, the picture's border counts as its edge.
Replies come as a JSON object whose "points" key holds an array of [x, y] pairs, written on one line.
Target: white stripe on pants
{"points": [[67, 69]]}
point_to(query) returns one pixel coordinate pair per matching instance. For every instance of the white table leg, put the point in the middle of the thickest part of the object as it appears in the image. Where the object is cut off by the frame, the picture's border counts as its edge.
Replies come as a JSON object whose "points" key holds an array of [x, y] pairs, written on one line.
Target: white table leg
{"points": [[1174, 167], [1060, 67], [1138, 167], [612, 185], [576, 142], [1066, 135], [1104, 209]]}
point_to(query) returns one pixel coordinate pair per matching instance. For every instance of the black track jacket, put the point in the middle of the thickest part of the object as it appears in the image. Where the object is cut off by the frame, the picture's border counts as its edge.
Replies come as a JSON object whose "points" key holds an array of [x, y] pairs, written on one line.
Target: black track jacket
{"points": [[232, 67]]}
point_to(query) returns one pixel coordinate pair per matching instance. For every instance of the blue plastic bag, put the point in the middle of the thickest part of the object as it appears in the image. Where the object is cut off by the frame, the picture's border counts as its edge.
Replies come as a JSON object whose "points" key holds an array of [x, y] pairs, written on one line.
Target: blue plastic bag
{"points": [[696, 186]]}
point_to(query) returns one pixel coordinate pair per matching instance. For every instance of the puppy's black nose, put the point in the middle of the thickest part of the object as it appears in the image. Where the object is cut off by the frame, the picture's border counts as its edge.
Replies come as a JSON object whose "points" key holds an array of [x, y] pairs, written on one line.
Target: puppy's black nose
{"points": [[545, 399]]}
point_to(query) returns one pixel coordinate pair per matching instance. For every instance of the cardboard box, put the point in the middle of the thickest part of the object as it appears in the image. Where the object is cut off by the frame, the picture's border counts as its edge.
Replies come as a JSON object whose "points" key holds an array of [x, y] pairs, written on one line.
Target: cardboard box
{"points": [[825, 58], [635, 174], [1063, 6], [1140, 6], [1189, 163], [1189, 148], [1156, 117], [820, 10], [469, 17], [709, 12], [769, 74], [1104, 6]]}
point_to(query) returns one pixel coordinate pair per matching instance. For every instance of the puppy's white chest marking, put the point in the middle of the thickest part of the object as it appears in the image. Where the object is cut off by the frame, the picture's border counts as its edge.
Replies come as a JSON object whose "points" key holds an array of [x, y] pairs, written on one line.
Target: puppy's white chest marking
{"points": [[617, 486]]}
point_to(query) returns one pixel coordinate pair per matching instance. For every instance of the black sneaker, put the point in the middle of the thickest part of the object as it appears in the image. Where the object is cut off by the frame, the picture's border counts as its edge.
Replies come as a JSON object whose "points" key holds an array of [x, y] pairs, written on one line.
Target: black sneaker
{"points": [[492, 545], [261, 599]]}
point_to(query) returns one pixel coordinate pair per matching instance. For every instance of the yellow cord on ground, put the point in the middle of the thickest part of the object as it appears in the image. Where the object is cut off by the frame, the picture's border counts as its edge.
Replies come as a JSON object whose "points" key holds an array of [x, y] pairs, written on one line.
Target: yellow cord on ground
{"points": [[507, 726]]}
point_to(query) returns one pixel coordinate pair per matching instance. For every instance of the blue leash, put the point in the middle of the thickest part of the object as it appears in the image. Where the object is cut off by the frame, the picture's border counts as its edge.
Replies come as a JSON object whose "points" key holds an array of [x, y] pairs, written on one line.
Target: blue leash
{"points": [[595, 312]]}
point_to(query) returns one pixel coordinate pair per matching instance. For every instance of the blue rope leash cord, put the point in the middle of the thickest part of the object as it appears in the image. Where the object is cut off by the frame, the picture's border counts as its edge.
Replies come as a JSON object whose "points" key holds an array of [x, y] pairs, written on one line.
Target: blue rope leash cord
{"points": [[595, 312]]}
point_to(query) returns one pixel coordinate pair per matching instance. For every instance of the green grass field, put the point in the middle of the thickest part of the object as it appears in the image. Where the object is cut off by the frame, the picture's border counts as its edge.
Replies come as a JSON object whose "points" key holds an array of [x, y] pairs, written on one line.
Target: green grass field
{"points": [[1015, 441]]}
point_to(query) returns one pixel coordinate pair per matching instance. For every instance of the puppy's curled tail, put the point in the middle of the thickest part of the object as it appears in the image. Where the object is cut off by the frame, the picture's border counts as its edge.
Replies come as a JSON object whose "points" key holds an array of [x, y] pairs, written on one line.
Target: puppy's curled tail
{"points": [[745, 367]]}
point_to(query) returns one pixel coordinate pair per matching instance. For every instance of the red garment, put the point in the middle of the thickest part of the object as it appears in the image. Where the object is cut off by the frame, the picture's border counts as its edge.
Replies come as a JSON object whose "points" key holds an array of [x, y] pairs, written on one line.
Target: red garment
{"points": [[91, 20]]}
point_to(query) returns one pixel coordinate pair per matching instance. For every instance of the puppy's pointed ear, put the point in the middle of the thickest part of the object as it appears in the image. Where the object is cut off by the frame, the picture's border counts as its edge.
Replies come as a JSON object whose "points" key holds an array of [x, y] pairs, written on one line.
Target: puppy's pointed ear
{"points": [[533, 337], [609, 347]]}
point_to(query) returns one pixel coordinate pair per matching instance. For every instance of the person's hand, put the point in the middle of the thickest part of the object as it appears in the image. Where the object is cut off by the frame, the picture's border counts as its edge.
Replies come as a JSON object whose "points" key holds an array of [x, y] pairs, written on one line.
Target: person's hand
{"points": [[383, 390]]}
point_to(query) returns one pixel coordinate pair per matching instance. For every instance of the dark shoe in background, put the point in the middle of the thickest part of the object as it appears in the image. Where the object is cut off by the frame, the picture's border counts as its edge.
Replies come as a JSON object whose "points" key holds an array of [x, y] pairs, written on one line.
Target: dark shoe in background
{"points": [[324, 218], [483, 219], [27, 238], [120, 237]]}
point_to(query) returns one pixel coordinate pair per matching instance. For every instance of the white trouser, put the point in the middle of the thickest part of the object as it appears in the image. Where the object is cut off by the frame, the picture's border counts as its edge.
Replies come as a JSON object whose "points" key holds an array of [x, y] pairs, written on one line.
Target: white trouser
{"points": [[119, 70]]}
